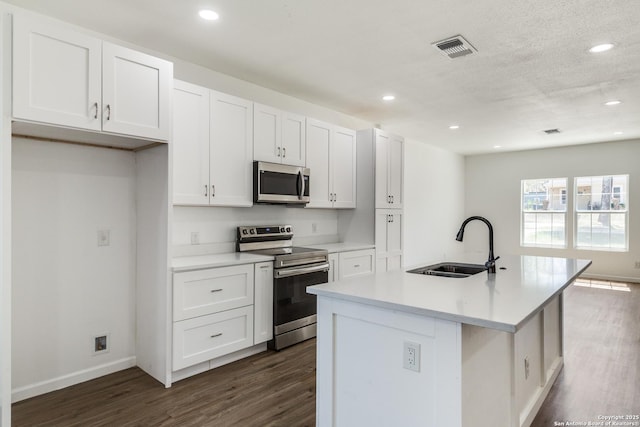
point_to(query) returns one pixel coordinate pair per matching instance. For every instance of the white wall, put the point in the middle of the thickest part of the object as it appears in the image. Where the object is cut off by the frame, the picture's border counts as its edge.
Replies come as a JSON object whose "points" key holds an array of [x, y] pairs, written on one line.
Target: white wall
{"points": [[493, 191], [434, 203], [67, 289]]}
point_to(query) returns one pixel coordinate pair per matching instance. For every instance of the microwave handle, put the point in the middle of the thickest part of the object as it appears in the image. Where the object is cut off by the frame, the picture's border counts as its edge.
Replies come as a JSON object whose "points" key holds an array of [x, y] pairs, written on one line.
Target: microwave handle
{"points": [[301, 180]]}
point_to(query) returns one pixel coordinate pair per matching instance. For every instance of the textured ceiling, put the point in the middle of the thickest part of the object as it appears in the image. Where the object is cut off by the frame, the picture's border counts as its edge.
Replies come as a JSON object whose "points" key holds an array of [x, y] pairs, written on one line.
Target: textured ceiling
{"points": [[532, 70]]}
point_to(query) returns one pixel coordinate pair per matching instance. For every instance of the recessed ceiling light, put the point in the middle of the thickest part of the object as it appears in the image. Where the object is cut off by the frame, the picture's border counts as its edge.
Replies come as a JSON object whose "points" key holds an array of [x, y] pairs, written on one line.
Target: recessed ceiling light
{"points": [[601, 48], [208, 14], [454, 127], [497, 146], [609, 103], [388, 98], [618, 133]]}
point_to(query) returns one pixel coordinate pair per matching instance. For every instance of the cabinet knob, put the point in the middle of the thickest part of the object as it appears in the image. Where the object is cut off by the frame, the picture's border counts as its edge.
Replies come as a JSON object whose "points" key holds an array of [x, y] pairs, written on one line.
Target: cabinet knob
{"points": [[213, 190], [278, 151], [95, 105], [284, 152], [206, 190], [108, 112]]}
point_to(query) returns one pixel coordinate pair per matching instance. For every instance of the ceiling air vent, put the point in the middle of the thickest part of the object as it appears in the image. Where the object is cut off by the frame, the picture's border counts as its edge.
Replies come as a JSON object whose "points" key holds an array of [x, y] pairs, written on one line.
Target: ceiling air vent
{"points": [[552, 131], [454, 47]]}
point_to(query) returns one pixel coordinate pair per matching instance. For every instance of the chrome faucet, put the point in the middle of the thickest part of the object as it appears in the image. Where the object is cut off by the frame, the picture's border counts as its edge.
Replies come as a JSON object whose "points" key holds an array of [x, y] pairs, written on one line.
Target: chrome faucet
{"points": [[491, 262]]}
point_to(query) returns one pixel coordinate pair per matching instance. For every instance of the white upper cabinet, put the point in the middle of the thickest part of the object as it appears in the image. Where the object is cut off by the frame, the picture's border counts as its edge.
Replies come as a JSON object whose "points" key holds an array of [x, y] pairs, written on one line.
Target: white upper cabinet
{"points": [[136, 93], [389, 170], [231, 150], [278, 136], [190, 144], [212, 148], [331, 158], [63, 77], [56, 74]]}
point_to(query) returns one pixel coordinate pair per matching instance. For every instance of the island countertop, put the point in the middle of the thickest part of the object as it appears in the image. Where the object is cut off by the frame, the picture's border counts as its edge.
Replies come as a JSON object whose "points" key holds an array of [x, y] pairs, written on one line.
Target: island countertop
{"points": [[522, 286]]}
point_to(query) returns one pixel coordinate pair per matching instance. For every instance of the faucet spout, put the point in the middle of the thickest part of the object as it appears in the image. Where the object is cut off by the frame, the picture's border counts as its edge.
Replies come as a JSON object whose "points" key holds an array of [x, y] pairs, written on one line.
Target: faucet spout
{"points": [[491, 262]]}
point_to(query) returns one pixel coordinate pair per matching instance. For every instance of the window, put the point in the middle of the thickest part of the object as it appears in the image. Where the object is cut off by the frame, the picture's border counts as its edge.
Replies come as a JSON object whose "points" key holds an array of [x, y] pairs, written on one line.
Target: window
{"points": [[544, 212], [602, 212]]}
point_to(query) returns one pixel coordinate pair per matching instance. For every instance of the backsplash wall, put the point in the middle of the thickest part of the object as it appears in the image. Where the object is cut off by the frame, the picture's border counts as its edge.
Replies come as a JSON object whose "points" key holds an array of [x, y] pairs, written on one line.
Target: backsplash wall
{"points": [[216, 226]]}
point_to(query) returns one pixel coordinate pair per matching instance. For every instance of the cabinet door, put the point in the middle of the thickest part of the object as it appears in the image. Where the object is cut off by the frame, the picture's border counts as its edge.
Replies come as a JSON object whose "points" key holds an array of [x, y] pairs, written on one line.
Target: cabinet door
{"points": [[136, 93], [267, 133], [357, 263], [207, 337], [294, 140], [263, 305], [318, 142], [190, 144], [343, 167], [231, 151], [395, 171], [383, 198], [202, 292], [334, 268], [381, 221], [394, 233], [56, 74]]}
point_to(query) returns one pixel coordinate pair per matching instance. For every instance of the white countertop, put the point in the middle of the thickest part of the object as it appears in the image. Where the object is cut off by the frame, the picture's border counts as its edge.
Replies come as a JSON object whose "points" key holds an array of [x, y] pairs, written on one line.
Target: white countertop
{"points": [[504, 301], [216, 260]]}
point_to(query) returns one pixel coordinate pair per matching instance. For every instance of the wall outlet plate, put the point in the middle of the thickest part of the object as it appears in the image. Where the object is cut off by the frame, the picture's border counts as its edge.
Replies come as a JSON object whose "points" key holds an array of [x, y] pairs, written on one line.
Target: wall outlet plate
{"points": [[104, 237], [411, 357], [101, 343]]}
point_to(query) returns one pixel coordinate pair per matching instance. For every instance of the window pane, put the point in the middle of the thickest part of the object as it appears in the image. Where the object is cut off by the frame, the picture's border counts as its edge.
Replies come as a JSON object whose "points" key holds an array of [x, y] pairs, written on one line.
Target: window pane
{"points": [[558, 236], [543, 229], [540, 199], [601, 204]]}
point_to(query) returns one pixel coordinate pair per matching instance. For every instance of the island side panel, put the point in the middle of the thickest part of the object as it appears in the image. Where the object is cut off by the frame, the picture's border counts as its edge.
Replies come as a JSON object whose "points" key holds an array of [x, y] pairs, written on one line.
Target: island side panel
{"points": [[360, 375], [488, 392]]}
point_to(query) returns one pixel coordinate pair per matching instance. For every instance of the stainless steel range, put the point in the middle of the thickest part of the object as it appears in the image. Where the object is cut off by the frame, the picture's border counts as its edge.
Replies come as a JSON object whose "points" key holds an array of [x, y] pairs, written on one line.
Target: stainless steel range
{"points": [[295, 268]]}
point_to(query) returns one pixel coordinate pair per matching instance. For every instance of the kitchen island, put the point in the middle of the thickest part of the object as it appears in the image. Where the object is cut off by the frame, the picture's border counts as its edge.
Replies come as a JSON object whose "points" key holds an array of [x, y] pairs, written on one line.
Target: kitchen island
{"points": [[407, 349]]}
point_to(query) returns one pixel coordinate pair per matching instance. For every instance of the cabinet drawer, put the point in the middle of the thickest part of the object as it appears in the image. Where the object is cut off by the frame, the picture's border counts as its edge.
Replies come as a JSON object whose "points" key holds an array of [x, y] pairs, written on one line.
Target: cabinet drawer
{"points": [[207, 337], [356, 263], [202, 292]]}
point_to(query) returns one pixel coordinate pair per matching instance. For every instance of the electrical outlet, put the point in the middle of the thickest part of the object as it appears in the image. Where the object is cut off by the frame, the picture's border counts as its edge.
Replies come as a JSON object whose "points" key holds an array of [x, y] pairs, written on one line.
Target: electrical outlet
{"points": [[411, 356], [637, 264], [314, 227], [104, 237], [526, 367], [101, 344], [195, 238]]}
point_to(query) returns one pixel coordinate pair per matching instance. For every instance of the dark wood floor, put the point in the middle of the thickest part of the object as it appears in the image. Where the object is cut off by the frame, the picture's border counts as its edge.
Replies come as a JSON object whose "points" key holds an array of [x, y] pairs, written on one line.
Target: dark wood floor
{"points": [[601, 377]]}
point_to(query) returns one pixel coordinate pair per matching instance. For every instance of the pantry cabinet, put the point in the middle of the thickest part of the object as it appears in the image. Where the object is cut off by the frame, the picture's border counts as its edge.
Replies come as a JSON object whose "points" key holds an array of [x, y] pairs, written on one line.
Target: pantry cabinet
{"points": [[212, 147], [331, 157], [389, 170], [388, 239], [65, 78], [278, 136]]}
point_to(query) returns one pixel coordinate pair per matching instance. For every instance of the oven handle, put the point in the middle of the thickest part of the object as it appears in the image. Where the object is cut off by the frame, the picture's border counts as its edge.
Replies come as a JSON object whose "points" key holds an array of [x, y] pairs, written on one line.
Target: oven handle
{"points": [[287, 272]]}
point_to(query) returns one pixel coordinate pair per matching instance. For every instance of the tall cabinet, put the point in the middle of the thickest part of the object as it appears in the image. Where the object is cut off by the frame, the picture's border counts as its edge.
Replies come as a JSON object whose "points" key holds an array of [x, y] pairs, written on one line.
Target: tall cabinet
{"points": [[384, 153]]}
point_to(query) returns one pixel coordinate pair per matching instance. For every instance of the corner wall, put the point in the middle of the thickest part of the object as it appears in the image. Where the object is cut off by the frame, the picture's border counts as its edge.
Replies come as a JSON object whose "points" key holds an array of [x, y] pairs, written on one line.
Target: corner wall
{"points": [[493, 190]]}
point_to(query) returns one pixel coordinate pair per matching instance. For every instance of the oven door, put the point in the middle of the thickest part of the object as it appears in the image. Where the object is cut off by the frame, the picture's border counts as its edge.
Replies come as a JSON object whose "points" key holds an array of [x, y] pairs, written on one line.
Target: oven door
{"points": [[293, 307]]}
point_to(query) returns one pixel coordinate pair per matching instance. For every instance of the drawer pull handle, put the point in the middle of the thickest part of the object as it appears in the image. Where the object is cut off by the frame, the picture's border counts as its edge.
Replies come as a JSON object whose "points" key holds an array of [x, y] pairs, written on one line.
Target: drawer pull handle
{"points": [[216, 290], [216, 335], [356, 265]]}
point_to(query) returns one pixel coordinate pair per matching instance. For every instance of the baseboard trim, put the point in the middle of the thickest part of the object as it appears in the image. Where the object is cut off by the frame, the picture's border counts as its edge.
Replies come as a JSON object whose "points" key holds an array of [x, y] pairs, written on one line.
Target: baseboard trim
{"points": [[73, 378]]}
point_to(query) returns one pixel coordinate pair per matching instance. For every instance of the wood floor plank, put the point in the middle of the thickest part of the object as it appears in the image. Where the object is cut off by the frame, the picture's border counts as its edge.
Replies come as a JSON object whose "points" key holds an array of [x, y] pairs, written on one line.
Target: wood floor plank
{"points": [[601, 376]]}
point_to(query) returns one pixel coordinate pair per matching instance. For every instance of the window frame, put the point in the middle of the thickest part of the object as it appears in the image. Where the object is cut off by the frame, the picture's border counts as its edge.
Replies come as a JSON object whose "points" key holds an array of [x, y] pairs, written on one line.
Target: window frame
{"points": [[593, 212], [563, 199]]}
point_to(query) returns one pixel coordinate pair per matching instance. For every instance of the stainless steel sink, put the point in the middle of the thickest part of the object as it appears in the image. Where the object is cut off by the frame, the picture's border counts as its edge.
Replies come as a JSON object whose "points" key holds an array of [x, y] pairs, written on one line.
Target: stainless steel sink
{"points": [[450, 269]]}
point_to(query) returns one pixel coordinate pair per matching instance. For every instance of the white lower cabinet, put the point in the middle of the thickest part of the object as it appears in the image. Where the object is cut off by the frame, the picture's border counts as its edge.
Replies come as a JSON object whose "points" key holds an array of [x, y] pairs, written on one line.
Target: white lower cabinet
{"points": [[207, 337], [351, 263], [263, 307], [218, 311], [357, 263]]}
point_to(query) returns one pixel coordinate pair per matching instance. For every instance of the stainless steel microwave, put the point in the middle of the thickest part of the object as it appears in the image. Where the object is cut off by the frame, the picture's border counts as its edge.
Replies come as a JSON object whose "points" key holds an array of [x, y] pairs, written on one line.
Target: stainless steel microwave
{"points": [[277, 183]]}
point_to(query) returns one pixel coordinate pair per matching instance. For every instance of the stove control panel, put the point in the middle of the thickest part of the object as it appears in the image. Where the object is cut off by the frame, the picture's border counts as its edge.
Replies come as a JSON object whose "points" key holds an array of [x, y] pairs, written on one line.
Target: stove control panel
{"points": [[262, 232]]}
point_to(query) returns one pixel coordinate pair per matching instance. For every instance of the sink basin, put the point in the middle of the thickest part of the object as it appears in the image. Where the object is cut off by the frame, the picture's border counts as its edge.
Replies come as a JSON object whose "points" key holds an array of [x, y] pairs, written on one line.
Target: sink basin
{"points": [[450, 269]]}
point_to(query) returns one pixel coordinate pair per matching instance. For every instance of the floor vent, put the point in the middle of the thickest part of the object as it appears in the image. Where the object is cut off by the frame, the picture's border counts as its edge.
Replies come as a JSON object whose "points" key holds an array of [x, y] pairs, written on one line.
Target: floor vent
{"points": [[454, 47], [552, 131]]}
